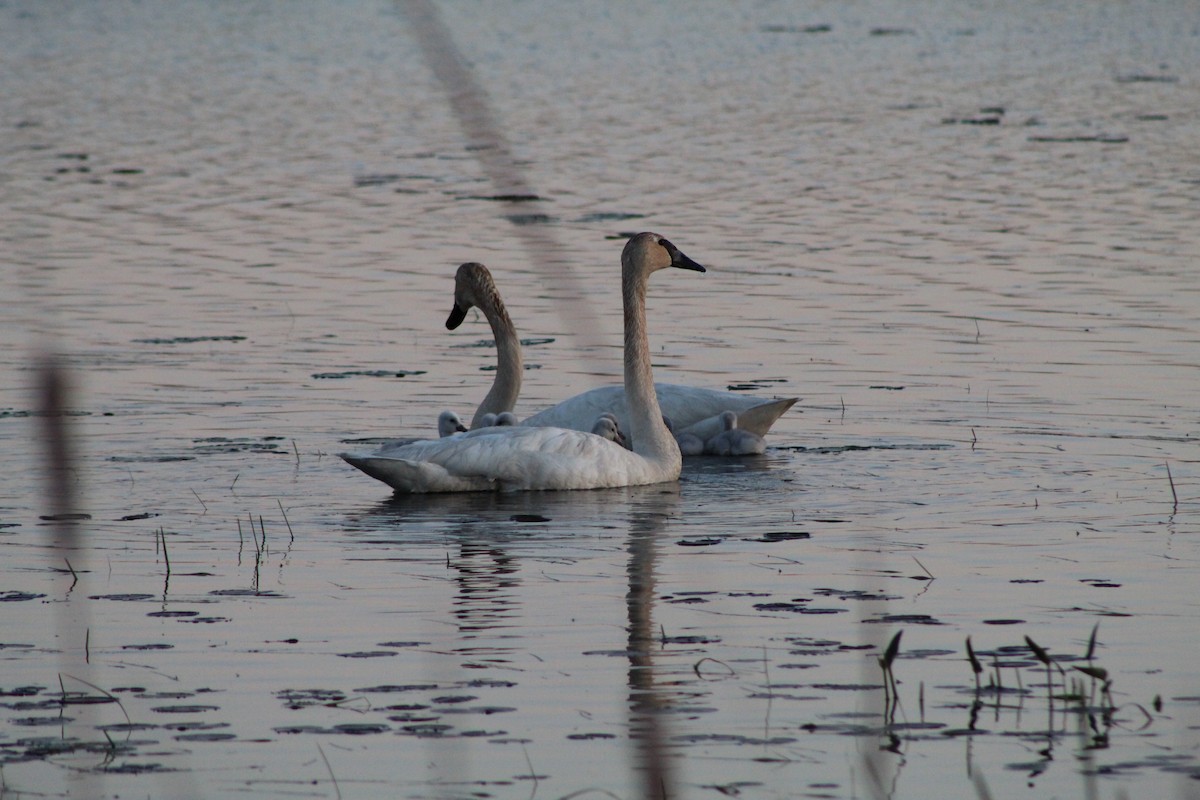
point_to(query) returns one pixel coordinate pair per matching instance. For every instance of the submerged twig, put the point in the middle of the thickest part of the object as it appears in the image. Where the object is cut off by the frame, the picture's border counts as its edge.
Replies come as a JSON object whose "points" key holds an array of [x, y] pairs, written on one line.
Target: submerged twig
{"points": [[202, 503], [285, 520], [336, 789], [1174, 496]]}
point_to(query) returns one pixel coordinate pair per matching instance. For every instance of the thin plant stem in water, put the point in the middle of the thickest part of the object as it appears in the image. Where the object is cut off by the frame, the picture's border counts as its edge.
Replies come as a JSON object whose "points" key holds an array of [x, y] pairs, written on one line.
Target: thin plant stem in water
{"points": [[291, 535], [1174, 495], [336, 789]]}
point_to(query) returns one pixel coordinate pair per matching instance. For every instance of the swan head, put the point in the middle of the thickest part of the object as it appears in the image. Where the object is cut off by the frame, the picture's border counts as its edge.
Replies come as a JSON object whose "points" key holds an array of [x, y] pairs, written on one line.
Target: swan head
{"points": [[728, 420], [651, 252], [472, 284], [487, 420], [506, 418], [606, 428], [449, 424]]}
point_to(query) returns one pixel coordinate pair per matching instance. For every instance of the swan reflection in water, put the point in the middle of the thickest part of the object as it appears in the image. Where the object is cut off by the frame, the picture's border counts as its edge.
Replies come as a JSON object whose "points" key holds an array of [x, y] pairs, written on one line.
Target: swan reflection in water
{"points": [[486, 529]]}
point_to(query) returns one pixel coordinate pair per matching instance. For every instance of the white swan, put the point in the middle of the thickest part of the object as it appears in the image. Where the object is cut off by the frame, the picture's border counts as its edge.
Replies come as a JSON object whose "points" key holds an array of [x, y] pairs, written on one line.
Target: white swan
{"points": [[556, 458], [694, 409], [733, 441], [473, 286], [449, 424]]}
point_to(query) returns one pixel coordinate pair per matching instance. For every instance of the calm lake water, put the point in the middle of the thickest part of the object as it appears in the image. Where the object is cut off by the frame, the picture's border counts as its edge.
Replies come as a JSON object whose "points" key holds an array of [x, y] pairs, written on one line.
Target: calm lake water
{"points": [[964, 234]]}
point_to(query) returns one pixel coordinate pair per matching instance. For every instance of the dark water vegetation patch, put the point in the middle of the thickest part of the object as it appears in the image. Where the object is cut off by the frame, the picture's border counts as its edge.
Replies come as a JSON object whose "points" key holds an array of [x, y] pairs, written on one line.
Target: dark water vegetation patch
{"points": [[853, 448], [491, 683], [127, 171], [588, 737], [204, 620], [779, 536], [797, 606], [462, 698], [15, 596], [213, 445], [32, 722], [484, 710], [153, 646], [21, 691], [13, 413], [819, 27], [506, 198], [173, 614], [704, 541], [72, 517], [294, 729], [1102, 583], [303, 698], [184, 709], [892, 32], [126, 727], [128, 597], [1101, 138], [427, 729], [190, 339], [194, 725], [976, 120], [395, 688], [129, 768], [143, 515], [528, 518], [732, 738], [402, 644], [855, 594], [1146, 77], [1003, 622], [245, 593], [360, 728], [690, 639], [148, 460], [368, 373], [368, 654], [206, 736]]}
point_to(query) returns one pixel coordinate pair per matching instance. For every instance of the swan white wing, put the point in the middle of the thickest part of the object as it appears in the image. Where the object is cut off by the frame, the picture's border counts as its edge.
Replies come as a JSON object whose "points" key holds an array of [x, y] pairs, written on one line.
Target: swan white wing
{"points": [[510, 459], [756, 419], [687, 406]]}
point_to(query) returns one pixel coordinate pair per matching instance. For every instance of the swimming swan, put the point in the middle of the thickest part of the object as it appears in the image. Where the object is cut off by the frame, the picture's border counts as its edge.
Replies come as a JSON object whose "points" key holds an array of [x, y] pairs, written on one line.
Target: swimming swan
{"points": [[694, 410], [522, 457], [473, 286], [734, 441]]}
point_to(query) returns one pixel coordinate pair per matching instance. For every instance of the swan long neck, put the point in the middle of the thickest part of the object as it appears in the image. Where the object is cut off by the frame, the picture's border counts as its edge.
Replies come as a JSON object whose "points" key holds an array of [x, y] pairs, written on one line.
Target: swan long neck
{"points": [[510, 366], [651, 439]]}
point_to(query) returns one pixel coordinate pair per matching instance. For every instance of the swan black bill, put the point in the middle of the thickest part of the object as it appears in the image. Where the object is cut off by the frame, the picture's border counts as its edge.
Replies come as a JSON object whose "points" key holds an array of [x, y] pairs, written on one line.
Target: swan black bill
{"points": [[678, 259], [457, 315]]}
